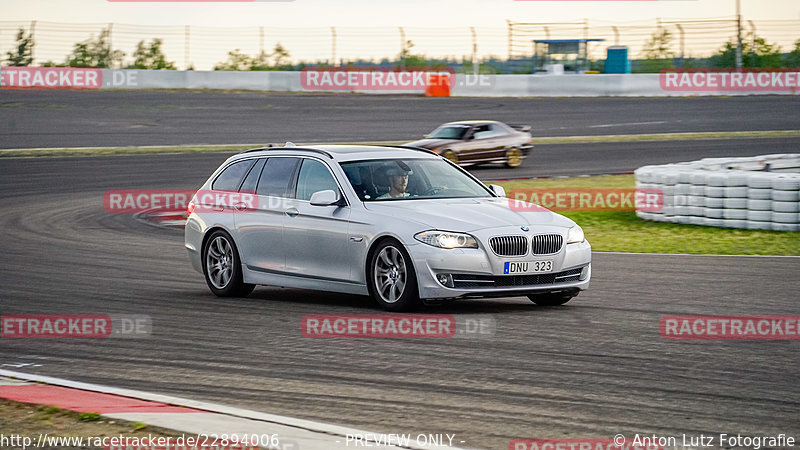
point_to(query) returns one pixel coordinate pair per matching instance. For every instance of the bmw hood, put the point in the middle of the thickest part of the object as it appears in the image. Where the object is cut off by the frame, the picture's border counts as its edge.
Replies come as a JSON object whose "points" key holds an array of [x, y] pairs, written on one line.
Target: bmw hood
{"points": [[469, 214]]}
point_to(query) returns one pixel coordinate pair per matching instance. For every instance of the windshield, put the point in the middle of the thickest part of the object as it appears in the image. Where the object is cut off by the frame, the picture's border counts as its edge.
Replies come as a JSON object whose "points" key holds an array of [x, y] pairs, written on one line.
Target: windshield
{"points": [[449, 132], [410, 179]]}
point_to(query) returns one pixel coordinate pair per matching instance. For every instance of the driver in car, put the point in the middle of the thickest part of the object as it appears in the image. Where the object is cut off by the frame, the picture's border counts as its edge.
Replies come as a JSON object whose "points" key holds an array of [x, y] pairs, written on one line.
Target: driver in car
{"points": [[398, 182]]}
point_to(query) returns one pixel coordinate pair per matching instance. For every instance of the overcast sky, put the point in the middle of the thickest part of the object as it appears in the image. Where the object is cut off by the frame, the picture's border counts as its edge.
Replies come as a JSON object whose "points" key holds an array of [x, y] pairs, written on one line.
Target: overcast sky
{"points": [[303, 13], [437, 28]]}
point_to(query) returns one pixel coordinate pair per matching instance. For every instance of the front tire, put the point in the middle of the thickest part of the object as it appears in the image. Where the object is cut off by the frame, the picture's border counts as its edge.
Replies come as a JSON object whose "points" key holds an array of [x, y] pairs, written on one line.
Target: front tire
{"points": [[513, 157], [553, 299], [391, 278], [451, 156], [223, 268]]}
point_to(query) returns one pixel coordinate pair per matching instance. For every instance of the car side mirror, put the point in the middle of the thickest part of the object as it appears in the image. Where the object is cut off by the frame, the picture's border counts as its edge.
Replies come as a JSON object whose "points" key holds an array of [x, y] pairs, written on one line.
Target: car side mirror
{"points": [[497, 190], [324, 198]]}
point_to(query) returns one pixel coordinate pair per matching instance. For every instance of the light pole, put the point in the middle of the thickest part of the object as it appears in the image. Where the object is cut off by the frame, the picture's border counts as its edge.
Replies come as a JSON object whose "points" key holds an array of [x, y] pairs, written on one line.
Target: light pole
{"points": [[738, 34]]}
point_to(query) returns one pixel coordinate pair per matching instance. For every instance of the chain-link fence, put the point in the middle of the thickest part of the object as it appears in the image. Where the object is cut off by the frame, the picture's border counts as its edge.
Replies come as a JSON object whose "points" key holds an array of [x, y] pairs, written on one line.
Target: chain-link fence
{"points": [[505, 49], [687, 39]]}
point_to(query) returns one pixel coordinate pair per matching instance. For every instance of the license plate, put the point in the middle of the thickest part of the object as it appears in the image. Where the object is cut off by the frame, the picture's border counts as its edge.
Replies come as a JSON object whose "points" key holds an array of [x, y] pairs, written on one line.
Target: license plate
{"points": [[514, 267]]}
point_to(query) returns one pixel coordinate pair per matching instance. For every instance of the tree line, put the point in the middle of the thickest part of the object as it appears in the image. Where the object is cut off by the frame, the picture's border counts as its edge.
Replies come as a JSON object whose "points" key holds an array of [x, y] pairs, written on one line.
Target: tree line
{"points": [[658, 54]]}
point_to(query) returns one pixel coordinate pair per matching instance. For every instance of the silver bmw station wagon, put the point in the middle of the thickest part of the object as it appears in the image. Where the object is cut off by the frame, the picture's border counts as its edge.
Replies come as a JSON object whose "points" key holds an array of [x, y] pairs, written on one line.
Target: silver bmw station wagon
{"points": [[400, 224]]}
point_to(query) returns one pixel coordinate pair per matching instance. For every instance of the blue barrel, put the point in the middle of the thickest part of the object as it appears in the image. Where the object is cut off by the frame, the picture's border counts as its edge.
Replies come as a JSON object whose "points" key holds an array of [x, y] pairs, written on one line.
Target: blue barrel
{"points": [[617, 60]]}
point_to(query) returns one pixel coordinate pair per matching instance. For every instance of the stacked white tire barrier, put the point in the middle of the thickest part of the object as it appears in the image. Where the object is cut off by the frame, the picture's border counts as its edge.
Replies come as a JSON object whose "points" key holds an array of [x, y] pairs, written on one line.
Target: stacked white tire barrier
{"points": [[754, 193]]}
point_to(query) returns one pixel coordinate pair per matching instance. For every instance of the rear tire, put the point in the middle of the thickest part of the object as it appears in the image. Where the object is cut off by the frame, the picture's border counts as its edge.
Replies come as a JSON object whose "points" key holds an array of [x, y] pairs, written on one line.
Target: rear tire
{"points": [[555, 299], [513, 157], [223, 268], [391, 278]]}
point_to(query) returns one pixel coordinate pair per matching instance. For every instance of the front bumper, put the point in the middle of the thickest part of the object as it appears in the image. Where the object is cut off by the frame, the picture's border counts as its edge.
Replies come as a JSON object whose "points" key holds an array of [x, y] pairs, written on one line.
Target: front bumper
{"points": [[526, 149], [477, 273]]}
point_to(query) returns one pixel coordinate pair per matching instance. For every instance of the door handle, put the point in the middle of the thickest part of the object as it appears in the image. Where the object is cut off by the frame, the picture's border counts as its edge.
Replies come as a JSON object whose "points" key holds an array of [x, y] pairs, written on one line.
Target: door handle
{"points": [[291, 212], [239, 206]]}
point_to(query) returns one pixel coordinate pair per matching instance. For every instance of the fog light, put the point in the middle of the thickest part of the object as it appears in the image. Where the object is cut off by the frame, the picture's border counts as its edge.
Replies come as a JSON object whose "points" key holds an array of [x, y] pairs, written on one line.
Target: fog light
{"points": [[585, 272], [445, 279]]}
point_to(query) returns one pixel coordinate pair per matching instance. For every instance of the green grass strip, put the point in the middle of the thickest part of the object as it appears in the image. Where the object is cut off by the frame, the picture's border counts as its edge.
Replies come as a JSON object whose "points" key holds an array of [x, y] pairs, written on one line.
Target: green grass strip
{"points": [[667, 137], [624, 232], [162, 149], [150, 150]]}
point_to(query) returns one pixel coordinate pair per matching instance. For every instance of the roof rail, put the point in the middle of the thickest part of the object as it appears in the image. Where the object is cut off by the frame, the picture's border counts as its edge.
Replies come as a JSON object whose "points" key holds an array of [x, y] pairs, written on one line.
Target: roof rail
{"points": [[411, 147], [271, 147]]}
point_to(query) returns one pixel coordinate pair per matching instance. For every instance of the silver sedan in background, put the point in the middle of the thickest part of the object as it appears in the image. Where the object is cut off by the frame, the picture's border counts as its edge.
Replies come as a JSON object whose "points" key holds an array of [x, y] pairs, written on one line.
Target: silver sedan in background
{"points": [[479, 141], [403, 225]]}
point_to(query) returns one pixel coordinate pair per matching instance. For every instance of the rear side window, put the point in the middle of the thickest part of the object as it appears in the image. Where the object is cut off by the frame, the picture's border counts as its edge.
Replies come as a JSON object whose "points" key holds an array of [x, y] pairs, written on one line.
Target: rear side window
{"points": [[250, 182], [481, 132], [314, 177], [231, 177], [496, 130], [276, 177]]}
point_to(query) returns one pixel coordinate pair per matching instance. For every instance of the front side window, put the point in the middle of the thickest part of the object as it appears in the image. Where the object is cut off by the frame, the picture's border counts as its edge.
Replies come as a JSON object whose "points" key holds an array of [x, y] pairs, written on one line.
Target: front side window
{"points": [[277, 176], [231, 176], [449, 132], [410, 179], [314, 177]]}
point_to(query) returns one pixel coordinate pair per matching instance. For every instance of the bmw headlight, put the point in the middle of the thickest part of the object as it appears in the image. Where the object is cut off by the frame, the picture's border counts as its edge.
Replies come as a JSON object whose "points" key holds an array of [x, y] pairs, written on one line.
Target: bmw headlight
{"points": [[446, 239], [575, 235]]}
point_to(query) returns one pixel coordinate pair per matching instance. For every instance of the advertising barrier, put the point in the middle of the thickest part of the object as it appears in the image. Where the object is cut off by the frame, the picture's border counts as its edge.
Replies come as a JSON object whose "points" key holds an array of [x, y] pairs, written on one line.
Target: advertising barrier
{"points": [[411, 81]]}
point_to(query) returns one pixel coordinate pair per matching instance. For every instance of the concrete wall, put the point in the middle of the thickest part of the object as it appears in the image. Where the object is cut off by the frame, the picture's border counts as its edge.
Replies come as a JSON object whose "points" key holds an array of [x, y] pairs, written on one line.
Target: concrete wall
{"points": [[638, 85]]}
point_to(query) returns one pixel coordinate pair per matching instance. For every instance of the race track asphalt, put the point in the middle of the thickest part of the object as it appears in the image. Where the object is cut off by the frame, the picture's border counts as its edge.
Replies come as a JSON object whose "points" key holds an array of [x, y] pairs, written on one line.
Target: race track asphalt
{"points": [[593, 368], [30, 119]]}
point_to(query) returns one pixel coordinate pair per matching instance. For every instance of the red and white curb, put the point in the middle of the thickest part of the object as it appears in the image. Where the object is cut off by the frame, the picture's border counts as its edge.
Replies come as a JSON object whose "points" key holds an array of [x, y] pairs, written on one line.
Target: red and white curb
{"points": [[163, 218], [184, 415]]}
